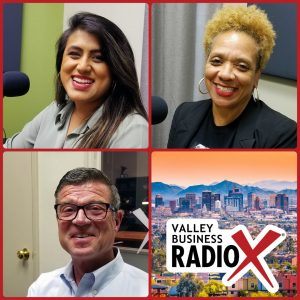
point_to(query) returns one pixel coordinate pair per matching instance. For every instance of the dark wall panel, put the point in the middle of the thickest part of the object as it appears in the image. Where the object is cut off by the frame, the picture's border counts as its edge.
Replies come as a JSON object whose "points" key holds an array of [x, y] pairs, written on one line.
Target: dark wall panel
{"points": [[283, 62], [12, 36]]}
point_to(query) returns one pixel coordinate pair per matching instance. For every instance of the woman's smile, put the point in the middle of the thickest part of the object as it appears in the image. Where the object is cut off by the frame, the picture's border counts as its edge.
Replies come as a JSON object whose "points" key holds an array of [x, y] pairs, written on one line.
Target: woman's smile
{"points": [[82, 83], [225, 91]]}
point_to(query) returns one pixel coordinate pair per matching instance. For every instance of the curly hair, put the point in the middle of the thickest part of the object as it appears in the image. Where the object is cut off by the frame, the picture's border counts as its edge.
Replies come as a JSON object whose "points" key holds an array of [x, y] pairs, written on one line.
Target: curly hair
{"points": [[248, 19]]}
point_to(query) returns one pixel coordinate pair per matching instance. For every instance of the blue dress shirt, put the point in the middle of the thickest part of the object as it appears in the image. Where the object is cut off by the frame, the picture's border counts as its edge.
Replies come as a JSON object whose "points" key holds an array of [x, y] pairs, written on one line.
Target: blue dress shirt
{"points": [[114, 279]]}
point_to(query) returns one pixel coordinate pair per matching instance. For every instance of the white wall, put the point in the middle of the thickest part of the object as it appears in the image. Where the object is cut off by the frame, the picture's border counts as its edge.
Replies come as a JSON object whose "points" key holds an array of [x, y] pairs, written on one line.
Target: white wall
{"points": [[280, 94], [128, 16]]}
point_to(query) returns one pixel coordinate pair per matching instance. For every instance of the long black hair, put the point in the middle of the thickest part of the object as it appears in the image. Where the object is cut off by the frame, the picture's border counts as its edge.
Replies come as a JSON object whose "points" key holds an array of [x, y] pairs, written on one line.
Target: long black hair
{"points": [[124, 96]]}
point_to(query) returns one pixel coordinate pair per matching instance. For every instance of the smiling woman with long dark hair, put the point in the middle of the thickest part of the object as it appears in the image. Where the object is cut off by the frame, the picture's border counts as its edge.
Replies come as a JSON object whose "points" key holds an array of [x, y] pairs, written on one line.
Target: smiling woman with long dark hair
{"points": [[98, 102]]}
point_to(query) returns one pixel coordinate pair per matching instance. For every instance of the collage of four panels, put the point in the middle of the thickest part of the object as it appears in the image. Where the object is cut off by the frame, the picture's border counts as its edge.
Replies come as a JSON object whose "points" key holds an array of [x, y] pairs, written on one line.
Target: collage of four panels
{"points": [[149, 150]]}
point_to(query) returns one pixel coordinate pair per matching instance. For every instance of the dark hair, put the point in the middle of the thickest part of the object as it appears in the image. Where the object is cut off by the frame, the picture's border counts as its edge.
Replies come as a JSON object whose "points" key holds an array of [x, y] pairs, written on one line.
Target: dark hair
{"points": [[80, 176], [124, 96]]}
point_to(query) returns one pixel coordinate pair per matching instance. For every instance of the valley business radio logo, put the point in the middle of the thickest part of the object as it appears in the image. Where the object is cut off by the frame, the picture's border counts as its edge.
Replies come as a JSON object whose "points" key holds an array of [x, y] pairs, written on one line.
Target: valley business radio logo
{"points": [[199, 246]]}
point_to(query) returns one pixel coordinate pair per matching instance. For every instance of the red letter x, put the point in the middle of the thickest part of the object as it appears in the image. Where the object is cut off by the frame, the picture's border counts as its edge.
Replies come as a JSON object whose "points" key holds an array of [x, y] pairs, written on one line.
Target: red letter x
{"points": [[251, 254]]}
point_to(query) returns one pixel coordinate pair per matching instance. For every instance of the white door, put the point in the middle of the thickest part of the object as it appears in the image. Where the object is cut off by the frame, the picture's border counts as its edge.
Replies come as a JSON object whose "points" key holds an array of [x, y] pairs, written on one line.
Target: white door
{"points": [[29, 182], [19, 222]]}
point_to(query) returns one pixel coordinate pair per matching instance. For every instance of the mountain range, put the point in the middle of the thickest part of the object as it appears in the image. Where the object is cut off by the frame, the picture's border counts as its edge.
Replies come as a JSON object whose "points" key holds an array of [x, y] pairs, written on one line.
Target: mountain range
{"points": [[276, 185], [170, 192]]}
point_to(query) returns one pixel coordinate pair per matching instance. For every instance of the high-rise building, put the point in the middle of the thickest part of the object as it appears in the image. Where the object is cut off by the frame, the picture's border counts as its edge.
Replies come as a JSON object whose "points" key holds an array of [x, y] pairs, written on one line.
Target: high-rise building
{"points": [[250, 200], [185, 205], [272, 200], [192, 198], [200, 201], [180, 200], [257, 203], [172, 204], [207, 200], [282, 202], [217, 205], [234, 200], [159, 200], [217, 197], [265, 203]]}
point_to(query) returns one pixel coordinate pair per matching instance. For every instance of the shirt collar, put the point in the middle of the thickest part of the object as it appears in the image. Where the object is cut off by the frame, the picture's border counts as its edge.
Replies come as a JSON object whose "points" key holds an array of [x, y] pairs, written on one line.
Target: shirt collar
{"points": [[108, 272], [100, 277], [65, 113], [68, 278]]}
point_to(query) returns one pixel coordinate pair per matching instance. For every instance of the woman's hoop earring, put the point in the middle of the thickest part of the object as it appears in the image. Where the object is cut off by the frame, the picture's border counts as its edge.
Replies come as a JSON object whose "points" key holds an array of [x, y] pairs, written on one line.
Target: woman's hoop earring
{"points": [[199, 86], [257, 96]]}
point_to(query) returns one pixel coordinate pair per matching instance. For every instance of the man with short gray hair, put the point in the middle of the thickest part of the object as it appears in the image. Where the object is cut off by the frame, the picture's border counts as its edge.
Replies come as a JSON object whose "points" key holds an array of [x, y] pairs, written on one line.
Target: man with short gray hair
{"points": [[88, 216]]}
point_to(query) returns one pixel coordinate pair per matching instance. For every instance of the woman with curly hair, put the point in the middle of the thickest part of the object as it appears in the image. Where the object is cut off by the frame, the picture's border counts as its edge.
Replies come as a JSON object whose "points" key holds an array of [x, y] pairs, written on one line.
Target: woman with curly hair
{"points": [[98, 102], [238, 42]]}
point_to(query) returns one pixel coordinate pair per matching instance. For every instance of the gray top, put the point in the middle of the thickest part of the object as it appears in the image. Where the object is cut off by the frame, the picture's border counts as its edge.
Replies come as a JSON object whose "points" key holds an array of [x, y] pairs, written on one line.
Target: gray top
{"points": [[49, 130]]}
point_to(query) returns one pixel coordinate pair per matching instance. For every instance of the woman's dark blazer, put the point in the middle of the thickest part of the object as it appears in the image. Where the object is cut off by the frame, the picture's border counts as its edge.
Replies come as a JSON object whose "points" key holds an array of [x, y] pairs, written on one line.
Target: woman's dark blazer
{"points": [[259, 127]]}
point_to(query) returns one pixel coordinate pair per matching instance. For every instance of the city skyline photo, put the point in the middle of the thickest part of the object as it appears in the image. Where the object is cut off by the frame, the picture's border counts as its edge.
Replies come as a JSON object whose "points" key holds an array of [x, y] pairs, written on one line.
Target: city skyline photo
{"points": [[253, 189]]}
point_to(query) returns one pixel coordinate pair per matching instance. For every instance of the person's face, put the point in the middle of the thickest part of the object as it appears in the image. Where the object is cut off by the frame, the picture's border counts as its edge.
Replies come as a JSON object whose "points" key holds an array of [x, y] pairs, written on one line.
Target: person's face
{"points": [[230, 71], [82, 238], [84, 75]]}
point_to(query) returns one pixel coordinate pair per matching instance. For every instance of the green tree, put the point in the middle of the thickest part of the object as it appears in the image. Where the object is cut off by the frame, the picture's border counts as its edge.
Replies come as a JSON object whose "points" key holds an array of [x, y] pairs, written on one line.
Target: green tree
{"points": [[275, 264], [259, 294], [290, 244], [243, 293], [159, 260], [264, 294], [214, 287], [189, 285], [287, 265], [202, 294]]}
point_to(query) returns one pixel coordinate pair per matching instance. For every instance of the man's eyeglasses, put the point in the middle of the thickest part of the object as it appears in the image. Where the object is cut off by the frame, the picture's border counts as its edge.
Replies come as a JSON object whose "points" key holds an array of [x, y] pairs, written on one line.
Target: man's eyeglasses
{"points": [[93, 211]]}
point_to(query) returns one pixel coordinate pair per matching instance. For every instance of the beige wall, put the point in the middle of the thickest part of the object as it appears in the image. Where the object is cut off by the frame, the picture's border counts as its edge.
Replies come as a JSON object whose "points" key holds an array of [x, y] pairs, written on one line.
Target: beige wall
{"points": [[280, 94]]}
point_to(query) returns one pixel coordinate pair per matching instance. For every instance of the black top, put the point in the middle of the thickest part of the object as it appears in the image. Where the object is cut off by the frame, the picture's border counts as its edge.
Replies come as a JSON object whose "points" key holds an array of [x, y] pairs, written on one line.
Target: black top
{"points": [[258, 126], [211, 136]]}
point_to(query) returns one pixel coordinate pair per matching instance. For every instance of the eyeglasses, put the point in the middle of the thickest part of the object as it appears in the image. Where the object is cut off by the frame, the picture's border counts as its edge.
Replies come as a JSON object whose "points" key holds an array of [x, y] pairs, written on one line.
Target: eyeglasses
{"points": [[93, 211]]}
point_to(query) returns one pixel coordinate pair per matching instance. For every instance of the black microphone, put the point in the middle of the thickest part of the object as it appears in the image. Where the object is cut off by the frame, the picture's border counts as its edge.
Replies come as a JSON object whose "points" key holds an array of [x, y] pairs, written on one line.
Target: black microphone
{"points": [[15, 84], [159, 110]]}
